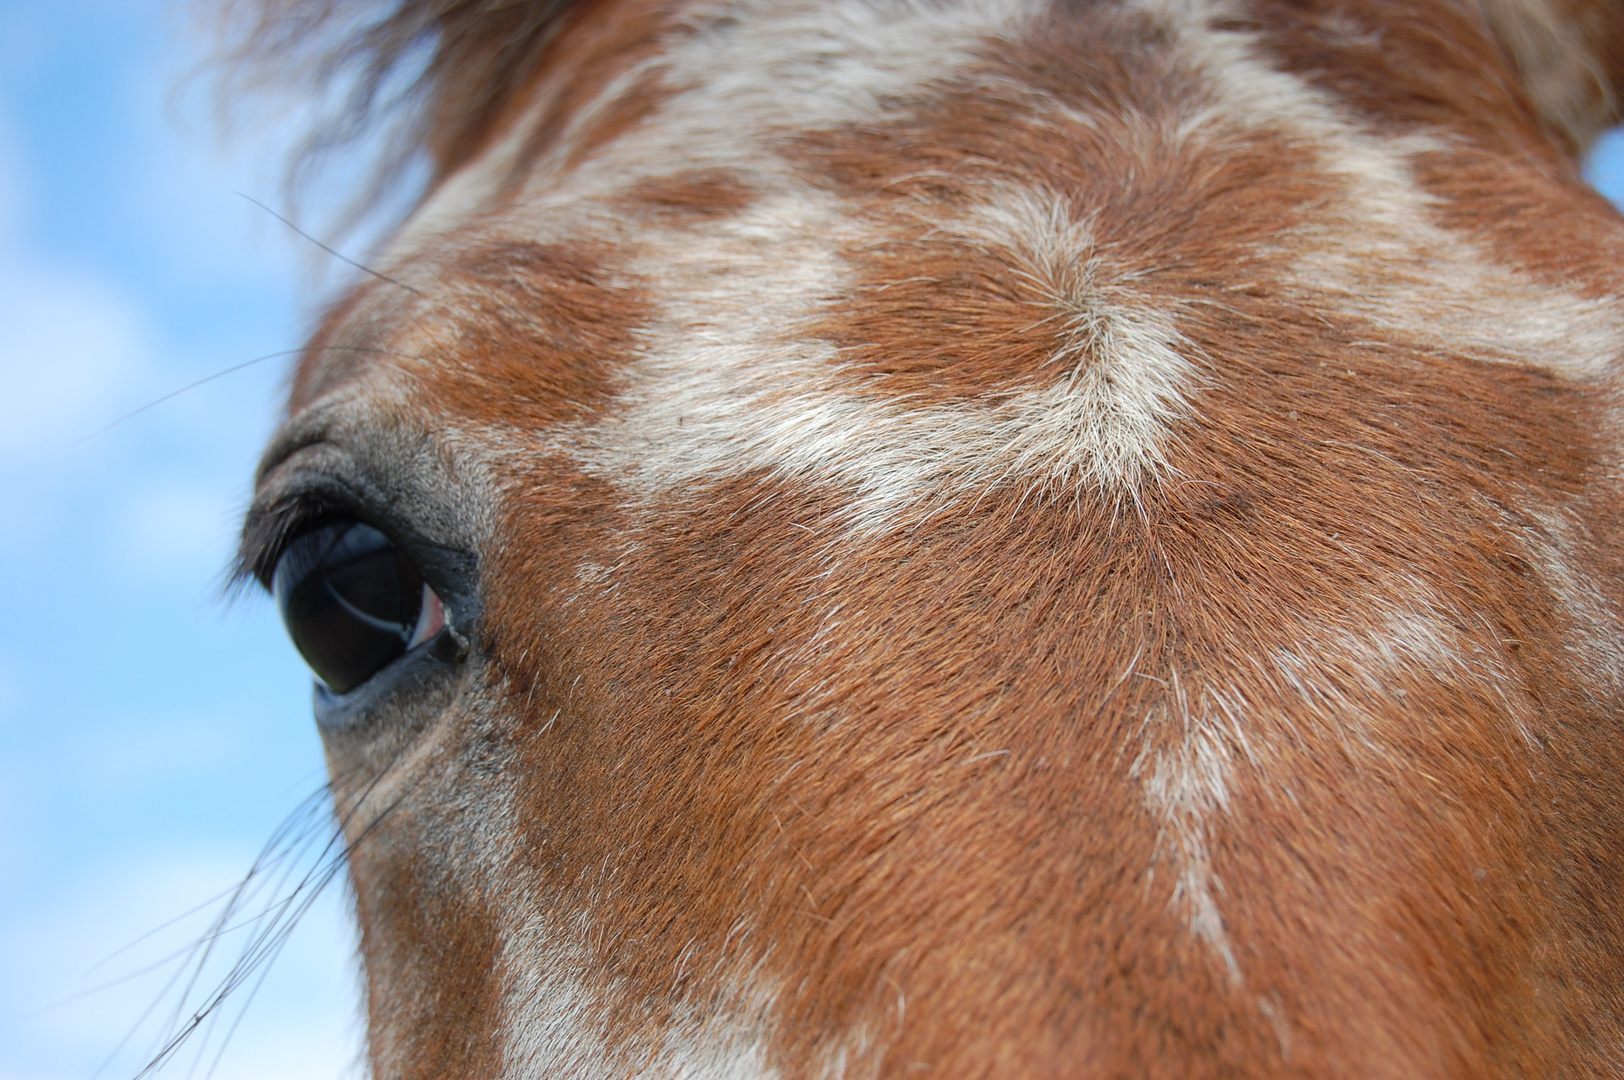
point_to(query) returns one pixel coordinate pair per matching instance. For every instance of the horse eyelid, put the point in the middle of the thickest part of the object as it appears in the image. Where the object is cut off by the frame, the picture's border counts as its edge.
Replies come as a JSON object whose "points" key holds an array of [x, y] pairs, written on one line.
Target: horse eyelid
{"points": [[268, 532]]}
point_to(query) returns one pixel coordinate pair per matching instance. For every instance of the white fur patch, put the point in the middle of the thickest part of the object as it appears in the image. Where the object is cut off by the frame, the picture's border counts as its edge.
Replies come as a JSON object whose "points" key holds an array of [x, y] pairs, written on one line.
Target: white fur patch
{"points": [[550, 1023], [555, 1028], [1594, 627], [1185, 786], [1344, 675], [714, 399], [724, 389], [758, 69], [727, 388], [555, 1022], [1380, 252], [1340, 671]]}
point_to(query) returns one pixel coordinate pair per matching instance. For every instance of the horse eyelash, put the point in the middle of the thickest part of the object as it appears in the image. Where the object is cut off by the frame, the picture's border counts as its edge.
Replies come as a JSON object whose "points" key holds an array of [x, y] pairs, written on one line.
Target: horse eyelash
{"points": [[268, 533]]}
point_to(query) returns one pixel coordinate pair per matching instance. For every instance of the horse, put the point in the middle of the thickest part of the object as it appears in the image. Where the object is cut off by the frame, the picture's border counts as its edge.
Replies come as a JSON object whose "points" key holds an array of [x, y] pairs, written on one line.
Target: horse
{"points": [[973, 538]]}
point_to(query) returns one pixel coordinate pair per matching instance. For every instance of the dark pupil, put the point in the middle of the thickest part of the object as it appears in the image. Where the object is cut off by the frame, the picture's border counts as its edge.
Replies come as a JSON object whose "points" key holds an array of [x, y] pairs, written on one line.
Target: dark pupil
{"points": [[350, 601]]}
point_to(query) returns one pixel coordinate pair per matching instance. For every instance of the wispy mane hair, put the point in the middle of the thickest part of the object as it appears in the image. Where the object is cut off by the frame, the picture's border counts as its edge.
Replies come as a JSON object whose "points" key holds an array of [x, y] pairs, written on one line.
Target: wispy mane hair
{"points": [[433, 75]]}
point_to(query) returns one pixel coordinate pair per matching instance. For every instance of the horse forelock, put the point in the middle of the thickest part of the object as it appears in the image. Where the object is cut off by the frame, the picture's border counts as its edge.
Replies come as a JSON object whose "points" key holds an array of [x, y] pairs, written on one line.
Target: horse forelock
{"points": [[1015, 537]]}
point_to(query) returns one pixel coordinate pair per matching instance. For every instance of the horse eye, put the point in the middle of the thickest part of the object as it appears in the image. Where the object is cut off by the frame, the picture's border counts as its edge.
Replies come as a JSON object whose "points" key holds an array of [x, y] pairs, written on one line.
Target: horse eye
{"points": [[352, 602]]}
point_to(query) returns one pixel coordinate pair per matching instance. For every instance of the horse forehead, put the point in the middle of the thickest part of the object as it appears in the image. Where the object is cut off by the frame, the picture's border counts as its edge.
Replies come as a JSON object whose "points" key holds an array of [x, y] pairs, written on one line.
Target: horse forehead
{"points": [[806, 236], [795, 286], [660, 150]]}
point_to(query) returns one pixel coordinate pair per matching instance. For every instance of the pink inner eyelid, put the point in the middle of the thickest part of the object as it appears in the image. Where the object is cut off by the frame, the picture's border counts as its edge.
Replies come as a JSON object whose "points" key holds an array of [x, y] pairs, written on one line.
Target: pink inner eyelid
{"points": [[431, 621]]}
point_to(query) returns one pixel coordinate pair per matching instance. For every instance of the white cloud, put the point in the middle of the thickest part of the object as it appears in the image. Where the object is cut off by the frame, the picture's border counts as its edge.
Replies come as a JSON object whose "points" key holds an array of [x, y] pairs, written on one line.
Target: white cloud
{"points": [[177, 528], [70, 347], [71, 342]]}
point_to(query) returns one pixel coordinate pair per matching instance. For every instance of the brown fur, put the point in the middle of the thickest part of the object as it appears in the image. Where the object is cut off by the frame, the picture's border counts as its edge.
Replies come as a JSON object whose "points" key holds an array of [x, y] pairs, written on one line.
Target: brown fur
{"points": [[715, 738], [701, 194]]}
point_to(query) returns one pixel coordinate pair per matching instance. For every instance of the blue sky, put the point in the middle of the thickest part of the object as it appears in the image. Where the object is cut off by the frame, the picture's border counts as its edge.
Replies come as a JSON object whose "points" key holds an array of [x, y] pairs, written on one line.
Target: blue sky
{"points": [[151, 736]]}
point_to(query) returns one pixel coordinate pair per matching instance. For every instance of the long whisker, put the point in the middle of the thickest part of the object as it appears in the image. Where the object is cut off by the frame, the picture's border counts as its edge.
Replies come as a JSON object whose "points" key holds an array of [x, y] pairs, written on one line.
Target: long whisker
{"points": [[299, 820], [176, 393], [160, 928], [230, 370], [302, 809], [157, 964], [272, 872], [335, 254], [305, 811]]}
